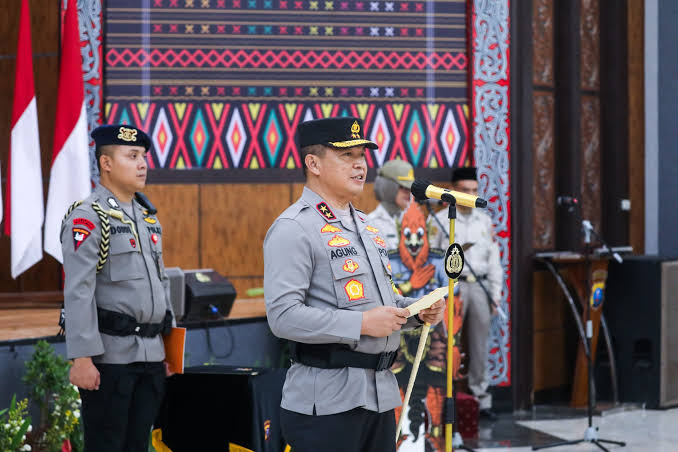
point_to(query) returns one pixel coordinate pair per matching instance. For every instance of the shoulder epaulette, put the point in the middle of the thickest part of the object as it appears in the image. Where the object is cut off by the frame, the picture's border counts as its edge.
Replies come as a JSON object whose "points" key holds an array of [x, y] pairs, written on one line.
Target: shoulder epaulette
{"points": [[145, 202], [70, 210]]}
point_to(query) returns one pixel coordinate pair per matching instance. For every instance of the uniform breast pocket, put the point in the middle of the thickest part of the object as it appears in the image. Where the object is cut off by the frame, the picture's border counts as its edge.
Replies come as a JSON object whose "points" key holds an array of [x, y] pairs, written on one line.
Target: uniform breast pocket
{"points": [[351, 276], [125, 260]]}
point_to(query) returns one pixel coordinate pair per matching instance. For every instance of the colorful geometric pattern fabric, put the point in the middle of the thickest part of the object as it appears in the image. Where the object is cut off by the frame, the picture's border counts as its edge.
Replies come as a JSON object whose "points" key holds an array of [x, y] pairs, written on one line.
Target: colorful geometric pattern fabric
{"points": [[222, 84], [220, 135], [491, 148]]}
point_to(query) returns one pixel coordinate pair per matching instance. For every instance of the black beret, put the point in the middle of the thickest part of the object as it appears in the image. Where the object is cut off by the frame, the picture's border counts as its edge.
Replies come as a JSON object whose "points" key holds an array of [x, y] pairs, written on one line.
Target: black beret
{"points": [[464, 173], [120, 134], [333, 132]]}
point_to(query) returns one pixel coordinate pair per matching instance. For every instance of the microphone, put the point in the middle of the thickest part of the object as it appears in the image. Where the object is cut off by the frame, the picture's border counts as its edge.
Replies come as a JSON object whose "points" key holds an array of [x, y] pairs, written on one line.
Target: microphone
{"points": [[588, 229], [424, 189], [569, 201]]}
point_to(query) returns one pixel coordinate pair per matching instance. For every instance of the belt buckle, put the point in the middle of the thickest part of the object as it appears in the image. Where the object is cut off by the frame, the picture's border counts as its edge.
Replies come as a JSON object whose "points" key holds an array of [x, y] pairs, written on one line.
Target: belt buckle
{"points": [[471, 279], [386, 360]]}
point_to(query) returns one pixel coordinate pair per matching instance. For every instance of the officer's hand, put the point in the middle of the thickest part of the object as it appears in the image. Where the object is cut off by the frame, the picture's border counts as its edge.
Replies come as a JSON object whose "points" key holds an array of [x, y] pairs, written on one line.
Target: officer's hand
{"points": [[435, 313], [168, 372], [422, 275], [383, 320], [84, 374]]}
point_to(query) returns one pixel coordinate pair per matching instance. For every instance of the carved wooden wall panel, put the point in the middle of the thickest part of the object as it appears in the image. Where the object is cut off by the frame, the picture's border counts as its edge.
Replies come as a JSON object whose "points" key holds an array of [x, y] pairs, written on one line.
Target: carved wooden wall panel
{"points": [[589, 33], [543, 172], [591, 160], [542, 39]]}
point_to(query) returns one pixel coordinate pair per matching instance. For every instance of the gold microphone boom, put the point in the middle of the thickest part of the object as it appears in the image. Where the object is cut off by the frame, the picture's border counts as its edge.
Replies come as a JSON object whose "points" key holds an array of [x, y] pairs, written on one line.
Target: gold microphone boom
{"points": [[422, 189]]}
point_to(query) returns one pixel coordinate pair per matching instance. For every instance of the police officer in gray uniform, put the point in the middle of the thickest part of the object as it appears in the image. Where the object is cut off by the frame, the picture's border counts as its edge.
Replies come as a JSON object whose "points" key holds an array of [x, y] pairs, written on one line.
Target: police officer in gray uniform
{"points": [[116, 297], [392, 189], [328, 289]]}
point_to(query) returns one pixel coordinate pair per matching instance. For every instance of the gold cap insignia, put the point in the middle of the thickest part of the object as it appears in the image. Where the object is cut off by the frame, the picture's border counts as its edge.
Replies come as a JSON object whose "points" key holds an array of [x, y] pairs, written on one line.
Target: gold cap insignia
{"points": [[126, 134], [355, 130], [409, 177]]}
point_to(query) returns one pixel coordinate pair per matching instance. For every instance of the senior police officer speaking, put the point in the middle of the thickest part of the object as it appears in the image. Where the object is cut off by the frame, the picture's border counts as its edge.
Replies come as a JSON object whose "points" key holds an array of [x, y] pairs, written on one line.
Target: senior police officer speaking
{"points": [[328, 289], [115, 297]]}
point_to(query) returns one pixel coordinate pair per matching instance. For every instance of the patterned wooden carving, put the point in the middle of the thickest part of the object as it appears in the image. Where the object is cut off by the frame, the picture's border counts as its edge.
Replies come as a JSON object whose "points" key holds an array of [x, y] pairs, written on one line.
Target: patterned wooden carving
{"points": [[589, 33], [590, 160], [544, 172], [542, 39]]}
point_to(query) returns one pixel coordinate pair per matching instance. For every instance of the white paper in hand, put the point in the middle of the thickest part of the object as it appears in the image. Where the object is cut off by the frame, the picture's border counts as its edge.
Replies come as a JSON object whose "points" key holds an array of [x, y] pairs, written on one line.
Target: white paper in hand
{"points": [[427, 301]]}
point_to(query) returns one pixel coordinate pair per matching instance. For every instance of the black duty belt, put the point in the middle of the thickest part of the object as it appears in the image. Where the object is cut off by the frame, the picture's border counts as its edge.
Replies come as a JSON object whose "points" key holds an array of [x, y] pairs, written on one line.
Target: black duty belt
{"points": [[119, 324], [472, 278], [337, 356]]}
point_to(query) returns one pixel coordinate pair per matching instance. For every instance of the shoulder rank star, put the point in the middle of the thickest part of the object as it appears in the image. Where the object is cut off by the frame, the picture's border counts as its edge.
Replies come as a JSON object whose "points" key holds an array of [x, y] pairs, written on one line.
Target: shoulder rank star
{"points": [[325, 210]]}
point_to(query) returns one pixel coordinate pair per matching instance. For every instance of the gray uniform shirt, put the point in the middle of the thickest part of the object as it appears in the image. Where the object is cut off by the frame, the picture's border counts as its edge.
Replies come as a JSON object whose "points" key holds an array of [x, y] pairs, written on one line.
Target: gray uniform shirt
{"points": [[320, 274], [382, 220], [132, 281]]}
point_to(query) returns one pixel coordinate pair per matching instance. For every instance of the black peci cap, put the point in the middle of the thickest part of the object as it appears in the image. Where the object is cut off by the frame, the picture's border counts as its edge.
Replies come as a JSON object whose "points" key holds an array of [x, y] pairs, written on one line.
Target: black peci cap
{"points": [[345, 132], [464, 173], [121, 135]]}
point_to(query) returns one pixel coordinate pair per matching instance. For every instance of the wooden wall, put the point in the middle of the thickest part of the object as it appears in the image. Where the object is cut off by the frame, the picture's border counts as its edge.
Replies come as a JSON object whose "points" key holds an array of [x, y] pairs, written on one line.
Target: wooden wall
{"points": [[585, 87], [222, 226]]}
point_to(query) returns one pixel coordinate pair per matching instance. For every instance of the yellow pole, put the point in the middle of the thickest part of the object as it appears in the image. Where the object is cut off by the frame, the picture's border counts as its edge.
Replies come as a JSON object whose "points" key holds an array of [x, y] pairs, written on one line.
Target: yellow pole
{"points": [[450, 346]]}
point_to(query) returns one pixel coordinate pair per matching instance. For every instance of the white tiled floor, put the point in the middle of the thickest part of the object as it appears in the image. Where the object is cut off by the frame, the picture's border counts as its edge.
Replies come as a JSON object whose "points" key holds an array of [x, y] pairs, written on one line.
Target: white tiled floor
{"points": [[642, 430]]}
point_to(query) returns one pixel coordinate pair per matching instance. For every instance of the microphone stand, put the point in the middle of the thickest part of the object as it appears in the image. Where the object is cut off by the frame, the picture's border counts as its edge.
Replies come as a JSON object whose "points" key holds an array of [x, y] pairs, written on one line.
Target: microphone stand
{"points": [[591, 433], [453, 268]]}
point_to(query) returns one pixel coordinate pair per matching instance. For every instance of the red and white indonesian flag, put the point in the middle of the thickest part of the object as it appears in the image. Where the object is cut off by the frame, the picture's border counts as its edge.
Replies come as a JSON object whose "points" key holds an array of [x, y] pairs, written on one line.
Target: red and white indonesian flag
{"points": [[70, 174], [24, 204]]}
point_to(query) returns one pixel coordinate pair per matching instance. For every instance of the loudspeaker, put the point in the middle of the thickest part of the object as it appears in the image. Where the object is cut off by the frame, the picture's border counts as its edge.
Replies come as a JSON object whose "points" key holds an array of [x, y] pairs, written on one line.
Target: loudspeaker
{"points": [[209, 407], [177, 283], [641, 309], [209, 296]]}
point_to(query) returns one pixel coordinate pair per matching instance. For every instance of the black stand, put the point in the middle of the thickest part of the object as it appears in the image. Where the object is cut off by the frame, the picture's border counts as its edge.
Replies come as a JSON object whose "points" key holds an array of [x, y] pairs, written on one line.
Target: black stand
{"points": [[591, 433]]}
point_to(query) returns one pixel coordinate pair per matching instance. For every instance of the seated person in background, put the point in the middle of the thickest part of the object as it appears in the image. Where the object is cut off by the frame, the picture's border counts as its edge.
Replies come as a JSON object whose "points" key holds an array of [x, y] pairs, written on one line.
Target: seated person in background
{"points": [[392, 188]]}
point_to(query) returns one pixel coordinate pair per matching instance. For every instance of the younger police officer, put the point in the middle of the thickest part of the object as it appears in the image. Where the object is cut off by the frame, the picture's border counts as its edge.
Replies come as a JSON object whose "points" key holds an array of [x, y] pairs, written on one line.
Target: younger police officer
{"points": [[116, 298], [328, 289]]}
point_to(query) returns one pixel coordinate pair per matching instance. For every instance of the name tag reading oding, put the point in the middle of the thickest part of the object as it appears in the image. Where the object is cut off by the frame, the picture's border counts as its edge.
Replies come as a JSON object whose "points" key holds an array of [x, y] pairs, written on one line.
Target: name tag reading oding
{"points": [[427, 300]]}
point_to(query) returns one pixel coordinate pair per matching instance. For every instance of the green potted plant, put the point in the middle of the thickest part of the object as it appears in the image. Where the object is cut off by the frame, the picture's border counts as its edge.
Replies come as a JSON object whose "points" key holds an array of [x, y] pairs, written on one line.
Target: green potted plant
{"points": [[58, 400], [14, 424]]}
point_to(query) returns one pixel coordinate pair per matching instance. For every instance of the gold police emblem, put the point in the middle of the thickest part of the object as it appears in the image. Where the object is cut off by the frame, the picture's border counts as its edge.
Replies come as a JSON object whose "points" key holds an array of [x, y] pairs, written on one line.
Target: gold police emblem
{"points": [[355, 130], [127, 134], [454, 261]]}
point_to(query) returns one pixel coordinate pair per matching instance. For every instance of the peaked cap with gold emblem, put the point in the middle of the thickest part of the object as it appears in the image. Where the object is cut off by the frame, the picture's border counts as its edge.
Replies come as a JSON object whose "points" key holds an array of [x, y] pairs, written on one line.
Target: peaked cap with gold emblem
{"points": [[338, 133], [120, 134]]}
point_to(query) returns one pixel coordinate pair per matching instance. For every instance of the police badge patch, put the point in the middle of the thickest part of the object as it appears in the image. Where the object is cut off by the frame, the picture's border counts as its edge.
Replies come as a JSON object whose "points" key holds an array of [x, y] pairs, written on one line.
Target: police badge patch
{"points": [[454, 261], [79, 237]]}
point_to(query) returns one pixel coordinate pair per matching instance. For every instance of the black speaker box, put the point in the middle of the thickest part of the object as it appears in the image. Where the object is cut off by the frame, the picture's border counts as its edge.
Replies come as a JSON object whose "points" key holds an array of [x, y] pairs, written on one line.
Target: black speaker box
{"points": [[209, 295], [209, 407], [641, 308]]}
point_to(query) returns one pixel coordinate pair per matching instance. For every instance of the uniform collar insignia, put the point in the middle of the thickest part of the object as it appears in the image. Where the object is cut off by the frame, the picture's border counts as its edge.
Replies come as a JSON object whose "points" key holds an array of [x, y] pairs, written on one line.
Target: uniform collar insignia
{"points": [[113, 203], [325, 211]]}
